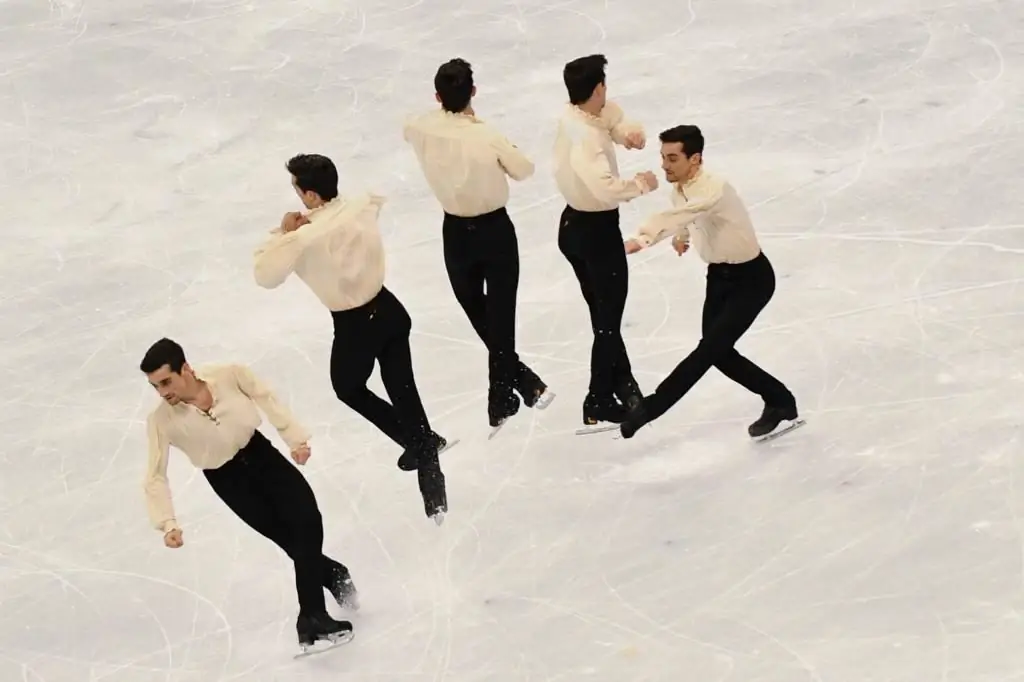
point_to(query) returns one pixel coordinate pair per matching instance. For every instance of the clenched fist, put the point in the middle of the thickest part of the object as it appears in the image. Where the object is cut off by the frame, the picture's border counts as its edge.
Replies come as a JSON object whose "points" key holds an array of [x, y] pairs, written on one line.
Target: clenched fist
{"points": [[173, 539], [301, 454], [293, 221], [635, 140], [680, 245], [649, 179], [632, 246]]}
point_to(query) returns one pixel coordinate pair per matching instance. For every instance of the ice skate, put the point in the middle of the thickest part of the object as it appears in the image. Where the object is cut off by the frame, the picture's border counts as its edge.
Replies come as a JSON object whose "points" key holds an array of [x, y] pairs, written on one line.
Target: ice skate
{"points": [[627, 391], [312, 630], [597, 410], [501, 406], [636, 420], [409, 461], [535, 392], [433, 490], [774, 422], [344, 590]]}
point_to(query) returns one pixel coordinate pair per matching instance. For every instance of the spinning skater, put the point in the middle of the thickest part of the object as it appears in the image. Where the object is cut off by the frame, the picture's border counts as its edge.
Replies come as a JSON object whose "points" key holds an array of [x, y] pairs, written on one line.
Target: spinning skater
{"points": [[211, 415], [740, 282], [587, 174], [336, 249], [467, 164]]}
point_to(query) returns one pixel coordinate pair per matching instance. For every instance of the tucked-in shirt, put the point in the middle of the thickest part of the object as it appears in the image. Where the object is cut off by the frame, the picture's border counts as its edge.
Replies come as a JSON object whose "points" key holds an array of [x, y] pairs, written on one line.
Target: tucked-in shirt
{"points": [[211, 439], [586, 169], [709, 214], [339, 254], [466, 162]]}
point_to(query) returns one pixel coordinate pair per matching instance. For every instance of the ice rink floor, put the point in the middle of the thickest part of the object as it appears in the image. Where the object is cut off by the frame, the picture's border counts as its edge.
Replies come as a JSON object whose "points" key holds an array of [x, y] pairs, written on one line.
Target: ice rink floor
{"points": [[878, 144]]}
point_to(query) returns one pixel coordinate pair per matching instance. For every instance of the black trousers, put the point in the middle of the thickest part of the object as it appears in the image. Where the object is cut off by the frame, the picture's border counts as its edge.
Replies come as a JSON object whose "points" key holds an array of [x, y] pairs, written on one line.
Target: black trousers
{"points": [[481, 255], [379, 332], [735, 296], [592, 243], [270, 495]]}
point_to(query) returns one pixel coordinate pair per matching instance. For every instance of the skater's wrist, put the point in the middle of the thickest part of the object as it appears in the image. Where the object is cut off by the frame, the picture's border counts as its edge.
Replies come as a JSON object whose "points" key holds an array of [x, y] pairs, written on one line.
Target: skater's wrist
{"points": [[170, 525]]}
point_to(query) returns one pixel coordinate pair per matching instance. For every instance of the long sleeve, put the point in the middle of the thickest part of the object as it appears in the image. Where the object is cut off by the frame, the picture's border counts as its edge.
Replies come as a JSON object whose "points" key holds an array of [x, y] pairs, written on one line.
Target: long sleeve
{"points": [[157, 489], [675, 221], [293, 433], [516, 164], [618, 125], [591, 165], [276, 258]]}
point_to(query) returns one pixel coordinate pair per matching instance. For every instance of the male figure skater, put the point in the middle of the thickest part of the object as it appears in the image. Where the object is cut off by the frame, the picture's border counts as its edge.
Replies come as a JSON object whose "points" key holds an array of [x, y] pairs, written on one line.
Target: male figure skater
{"points": [[211, 415], [336, 249], [587, 175], [467, 164], [708, 212]]}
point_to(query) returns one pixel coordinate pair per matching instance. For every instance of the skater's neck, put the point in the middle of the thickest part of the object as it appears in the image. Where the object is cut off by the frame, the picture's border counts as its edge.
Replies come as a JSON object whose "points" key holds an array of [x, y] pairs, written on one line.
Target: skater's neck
{"points": [[202, 397]]}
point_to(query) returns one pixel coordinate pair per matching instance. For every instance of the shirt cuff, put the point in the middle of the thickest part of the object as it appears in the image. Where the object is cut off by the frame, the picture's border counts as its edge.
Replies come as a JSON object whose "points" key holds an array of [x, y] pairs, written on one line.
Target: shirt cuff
{"points": [[169, 525]]}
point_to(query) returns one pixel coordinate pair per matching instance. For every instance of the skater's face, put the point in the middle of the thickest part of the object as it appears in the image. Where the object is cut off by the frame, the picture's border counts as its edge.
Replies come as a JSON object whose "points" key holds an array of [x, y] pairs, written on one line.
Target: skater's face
{"points": [[677, 166], [172, 386]]}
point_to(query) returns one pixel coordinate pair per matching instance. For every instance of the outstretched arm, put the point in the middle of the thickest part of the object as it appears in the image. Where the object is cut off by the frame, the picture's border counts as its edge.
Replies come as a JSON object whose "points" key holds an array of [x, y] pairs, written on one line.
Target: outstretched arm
{"points": [[675, 221], [156, 487], [619, 127], [516, 164]]}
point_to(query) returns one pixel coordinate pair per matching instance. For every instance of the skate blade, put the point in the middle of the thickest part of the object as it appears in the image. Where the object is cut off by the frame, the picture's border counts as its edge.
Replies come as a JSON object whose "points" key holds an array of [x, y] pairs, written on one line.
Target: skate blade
{"points": [[545, 400], [438, 518], [324, 645], [448, 446], [781, 432], [596, 428], [495, 430]]}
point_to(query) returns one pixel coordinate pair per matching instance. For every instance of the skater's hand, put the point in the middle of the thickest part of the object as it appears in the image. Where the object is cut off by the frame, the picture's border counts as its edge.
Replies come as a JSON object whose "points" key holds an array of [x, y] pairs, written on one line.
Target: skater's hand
{"points": [[301, 454], [632, 246], [680, 245], [635, 140], [293, 221], [173, 539], [649, 179]]}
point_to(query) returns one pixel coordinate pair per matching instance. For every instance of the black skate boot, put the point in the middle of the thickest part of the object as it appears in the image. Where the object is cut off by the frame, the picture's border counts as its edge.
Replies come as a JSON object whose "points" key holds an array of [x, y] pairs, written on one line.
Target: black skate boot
{"points": [[343, 589], [502, 403], [607, 409], [770, 419], [409, 460], [636, 420], [534, 391], [321, 627], [628, 393], [432, 488]]}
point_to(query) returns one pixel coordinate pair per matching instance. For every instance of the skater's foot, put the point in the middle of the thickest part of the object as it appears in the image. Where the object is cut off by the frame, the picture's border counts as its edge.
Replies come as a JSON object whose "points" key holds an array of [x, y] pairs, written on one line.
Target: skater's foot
{"points": [[770, 419], [502, 403], [409, 460], [534, 391], [316, 627], [636, 420], [344, 590], [432, 488], [628, 393], [607, 409]]}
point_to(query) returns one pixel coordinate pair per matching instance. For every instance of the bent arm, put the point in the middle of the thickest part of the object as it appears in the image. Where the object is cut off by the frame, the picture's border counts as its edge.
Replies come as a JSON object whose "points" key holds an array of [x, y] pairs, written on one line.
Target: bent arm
{"points": [[591, 164], [292, 432], [276, 258]]}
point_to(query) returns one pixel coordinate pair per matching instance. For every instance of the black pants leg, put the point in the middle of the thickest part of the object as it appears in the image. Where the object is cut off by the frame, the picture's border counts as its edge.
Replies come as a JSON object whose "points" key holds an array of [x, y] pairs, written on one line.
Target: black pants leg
{"points": [[481, 255], [379, 332], [736, 295], [592, 243], [273, 498]]}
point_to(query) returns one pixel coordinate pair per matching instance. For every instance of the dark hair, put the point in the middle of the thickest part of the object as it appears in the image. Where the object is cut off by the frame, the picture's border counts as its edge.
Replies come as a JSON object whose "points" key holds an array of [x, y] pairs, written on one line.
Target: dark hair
{"points": [[163, 352], [454, 84], [582, 76], [315, 173], [689, 136]]}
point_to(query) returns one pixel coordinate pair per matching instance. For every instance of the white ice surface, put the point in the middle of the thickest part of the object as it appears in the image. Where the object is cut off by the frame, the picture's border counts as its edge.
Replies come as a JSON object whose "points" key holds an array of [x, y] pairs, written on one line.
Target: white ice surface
{"points": [[879, 146]]}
